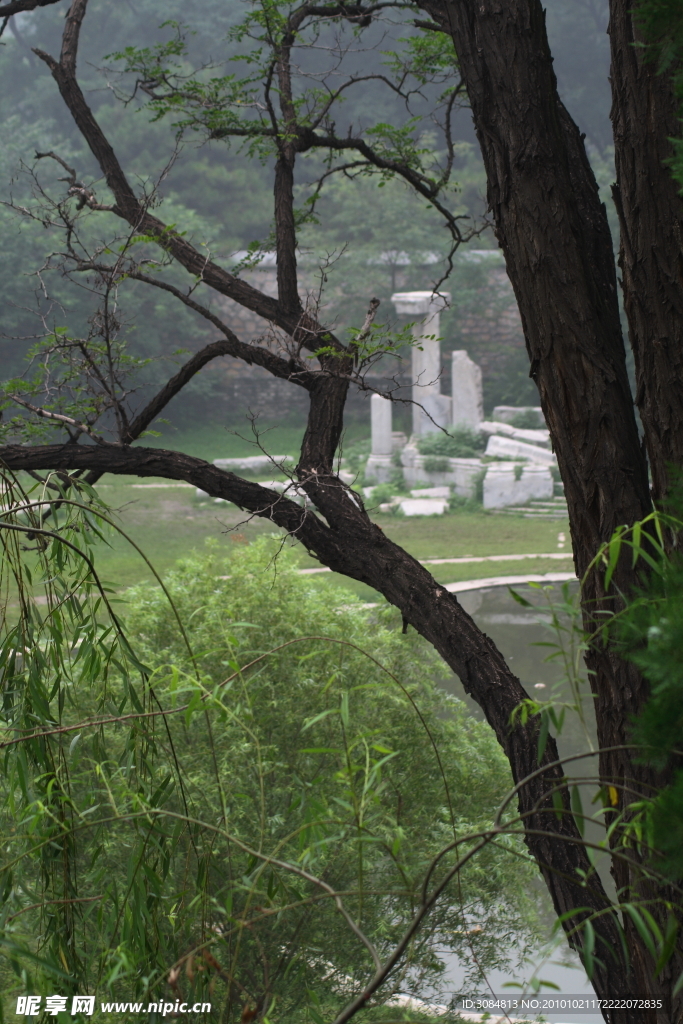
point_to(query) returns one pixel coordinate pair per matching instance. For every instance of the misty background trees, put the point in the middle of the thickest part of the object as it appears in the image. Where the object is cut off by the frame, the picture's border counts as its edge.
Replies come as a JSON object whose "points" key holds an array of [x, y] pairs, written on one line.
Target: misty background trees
{"points": [[206, 187]]}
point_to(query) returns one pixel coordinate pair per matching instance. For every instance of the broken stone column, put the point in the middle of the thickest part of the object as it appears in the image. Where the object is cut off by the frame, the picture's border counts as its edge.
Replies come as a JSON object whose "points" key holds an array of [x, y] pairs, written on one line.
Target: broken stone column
{"points": [[511, 448], [468, 399], [380, 425], [426, 358], [379, 465]]}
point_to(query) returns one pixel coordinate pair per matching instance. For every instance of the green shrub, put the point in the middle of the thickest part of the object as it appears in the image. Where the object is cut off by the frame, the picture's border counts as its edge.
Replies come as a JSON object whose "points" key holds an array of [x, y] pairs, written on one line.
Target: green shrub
{"points": [[527, 420], [458, 503], [397, 479], [277, 749], [325, 762], [460, 443], [436, 464], [355, 454], [380, 494]]}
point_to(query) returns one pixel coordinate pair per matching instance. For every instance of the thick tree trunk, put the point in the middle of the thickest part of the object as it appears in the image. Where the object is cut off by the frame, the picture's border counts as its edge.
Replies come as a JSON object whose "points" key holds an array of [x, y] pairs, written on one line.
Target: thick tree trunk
{"points": [[645, 117], [553, 231]]}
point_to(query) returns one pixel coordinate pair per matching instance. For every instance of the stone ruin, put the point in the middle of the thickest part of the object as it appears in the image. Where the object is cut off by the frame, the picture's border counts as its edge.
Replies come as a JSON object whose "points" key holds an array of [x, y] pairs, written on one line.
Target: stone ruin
{"points": [[519, 462]]}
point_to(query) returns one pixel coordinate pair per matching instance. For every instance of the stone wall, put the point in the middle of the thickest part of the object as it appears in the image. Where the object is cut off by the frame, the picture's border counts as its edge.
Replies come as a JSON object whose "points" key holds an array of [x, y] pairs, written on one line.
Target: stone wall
{"points": [[491, 333]]}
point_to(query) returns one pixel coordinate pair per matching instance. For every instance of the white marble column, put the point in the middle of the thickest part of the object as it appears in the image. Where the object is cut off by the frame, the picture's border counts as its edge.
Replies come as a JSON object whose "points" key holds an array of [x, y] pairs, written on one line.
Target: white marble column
{"points": [[380, 425], [379, 466], [426, 358]]}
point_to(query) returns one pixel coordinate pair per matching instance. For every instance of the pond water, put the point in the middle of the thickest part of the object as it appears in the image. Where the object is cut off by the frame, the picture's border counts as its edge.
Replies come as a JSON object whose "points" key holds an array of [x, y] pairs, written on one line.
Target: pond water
{"points": [[523, 634]]}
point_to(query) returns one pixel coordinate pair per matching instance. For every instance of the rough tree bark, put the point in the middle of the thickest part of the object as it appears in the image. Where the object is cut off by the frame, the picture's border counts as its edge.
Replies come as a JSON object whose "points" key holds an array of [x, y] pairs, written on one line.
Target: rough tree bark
{"points": [[645, 117], [553, 231]]}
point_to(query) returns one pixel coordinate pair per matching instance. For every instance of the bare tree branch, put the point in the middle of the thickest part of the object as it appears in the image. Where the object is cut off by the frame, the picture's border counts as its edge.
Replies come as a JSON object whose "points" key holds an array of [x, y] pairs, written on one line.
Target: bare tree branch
{"points": [[17, 6], [68, 421], [127, 206], [185, 374], [285, 369]]}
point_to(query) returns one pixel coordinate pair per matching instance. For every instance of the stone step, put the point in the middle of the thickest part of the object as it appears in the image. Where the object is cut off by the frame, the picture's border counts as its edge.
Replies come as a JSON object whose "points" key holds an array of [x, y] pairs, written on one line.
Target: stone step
{"points": [[524, 510], [540, 506]]}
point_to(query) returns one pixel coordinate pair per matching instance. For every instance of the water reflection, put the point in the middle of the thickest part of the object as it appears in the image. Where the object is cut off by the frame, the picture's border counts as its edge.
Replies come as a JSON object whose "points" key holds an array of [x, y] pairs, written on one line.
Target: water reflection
{"points": [[526, 639], [523, 635]]}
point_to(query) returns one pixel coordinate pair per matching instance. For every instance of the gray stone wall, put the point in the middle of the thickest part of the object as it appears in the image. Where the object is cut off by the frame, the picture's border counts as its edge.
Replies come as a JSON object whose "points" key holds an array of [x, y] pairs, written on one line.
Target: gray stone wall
{"points": [[492, 337]]}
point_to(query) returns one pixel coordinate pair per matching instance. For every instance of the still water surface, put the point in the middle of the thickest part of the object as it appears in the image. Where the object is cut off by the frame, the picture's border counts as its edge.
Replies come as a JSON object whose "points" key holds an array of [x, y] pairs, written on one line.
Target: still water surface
{"points": [[522, 635]]}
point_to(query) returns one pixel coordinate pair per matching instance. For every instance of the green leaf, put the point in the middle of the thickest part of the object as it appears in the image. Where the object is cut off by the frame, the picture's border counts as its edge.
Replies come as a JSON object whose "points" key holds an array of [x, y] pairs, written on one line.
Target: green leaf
{"points": [[668, 945], [588, 948], [614, 549], [344, 710], [310, 722], [519, 599], [558, 805], [637, 532], [577, 809], [642, 928], [543, 735]]}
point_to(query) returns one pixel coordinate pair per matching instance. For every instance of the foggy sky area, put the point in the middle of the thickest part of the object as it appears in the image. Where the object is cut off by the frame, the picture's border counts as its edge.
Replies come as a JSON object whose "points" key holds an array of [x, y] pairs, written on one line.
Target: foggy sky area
{"points": [[211, 187]]}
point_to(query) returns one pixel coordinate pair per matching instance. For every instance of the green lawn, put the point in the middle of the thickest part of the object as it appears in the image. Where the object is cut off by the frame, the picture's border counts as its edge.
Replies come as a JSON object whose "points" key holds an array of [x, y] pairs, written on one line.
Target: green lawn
{"points": [[473, 533], [168, 521], [226, 442], [221, 442]]}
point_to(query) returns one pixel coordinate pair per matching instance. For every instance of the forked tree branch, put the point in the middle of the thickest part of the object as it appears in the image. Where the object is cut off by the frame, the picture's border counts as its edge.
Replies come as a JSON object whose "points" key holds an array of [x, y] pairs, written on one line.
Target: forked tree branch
{"points": [[300, 325], [286, 369], [174, 386], [67, 421]]}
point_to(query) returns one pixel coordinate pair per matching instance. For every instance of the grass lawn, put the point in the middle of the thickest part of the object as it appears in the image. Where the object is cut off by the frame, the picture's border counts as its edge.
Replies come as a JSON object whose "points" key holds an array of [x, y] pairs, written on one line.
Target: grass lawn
{"points": [[222, 442], [169, 521]]}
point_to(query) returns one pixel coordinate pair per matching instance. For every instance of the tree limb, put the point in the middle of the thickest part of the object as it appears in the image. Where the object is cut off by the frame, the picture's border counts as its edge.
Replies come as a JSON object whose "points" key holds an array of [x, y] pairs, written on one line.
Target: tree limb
{"points": [[17, 6], [67, 421], [185, 374], [251, 354], [128, 207]]}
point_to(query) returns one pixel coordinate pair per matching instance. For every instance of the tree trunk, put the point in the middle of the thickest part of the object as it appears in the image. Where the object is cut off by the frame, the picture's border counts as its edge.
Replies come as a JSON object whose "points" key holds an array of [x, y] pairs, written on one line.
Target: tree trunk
{"points": [[554, 234], [645, 117]]}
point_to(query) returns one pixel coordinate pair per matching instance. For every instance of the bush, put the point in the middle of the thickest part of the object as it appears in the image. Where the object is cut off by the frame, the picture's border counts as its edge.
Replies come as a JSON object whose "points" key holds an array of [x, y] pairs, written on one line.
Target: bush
{"points": [[229, 767], [458, 503], [380, 494], [527, 420], [325, 762], [460, 443], [436, 464], [356, 454]]}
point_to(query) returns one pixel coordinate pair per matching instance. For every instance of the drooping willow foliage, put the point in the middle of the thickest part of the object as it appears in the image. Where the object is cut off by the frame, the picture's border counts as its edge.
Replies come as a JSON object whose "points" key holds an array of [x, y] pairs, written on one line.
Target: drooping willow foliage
{"points": [[64, 660], [232, 788]]}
